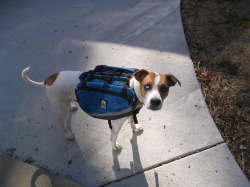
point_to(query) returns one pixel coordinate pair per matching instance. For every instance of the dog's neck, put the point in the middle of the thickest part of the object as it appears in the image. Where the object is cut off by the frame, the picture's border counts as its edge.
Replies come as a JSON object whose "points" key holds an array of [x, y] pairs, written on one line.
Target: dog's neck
{"points": [[135, 85]]}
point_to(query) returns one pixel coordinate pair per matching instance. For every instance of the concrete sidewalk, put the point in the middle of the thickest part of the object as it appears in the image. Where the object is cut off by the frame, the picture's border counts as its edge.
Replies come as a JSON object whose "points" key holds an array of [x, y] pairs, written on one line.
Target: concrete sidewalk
{"points": [[16, 173], [180, 145]]}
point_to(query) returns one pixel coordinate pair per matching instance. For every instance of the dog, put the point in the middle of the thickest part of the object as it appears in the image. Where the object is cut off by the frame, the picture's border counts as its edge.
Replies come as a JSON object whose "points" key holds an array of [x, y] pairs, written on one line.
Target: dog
{"points": [[150, 88]]}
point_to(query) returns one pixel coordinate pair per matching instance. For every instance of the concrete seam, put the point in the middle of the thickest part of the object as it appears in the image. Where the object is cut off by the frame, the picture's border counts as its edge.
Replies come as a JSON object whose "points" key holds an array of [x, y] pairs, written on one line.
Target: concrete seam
{"points": [[191, 153]]}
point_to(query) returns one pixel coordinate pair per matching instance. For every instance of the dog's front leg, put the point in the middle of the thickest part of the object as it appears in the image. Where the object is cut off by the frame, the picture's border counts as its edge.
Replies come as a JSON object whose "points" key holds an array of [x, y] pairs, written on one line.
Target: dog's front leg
{"points": [[135, 127], [116, 127]]}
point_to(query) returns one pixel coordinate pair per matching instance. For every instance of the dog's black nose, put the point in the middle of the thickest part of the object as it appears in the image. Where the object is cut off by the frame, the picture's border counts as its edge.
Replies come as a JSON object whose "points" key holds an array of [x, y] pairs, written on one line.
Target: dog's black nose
{"points": [[155, 102]]}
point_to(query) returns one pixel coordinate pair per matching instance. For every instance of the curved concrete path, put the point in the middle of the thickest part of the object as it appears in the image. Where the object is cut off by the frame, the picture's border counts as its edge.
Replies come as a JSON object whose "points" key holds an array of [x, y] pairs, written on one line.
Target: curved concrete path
{"points": [[180, 145]]}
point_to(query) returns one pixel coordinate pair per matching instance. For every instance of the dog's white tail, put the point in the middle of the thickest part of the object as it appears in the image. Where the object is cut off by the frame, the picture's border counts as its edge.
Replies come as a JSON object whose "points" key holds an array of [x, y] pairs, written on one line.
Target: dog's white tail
{"points": [[26, 78]]}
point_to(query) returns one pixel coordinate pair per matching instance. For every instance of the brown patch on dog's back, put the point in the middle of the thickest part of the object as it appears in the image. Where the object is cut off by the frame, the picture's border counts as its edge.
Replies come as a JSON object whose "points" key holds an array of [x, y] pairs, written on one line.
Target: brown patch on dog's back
{"points": [[51, 79]]}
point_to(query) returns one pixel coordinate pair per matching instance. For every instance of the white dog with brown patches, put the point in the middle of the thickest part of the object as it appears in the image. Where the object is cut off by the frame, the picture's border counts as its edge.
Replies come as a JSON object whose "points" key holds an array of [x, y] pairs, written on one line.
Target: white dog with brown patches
{"points": [[150, 88]]}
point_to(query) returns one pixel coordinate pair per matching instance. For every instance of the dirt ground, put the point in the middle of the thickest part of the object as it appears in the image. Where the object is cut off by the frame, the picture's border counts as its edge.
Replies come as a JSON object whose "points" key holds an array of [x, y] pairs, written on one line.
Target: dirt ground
{"points": [[218, 37]]}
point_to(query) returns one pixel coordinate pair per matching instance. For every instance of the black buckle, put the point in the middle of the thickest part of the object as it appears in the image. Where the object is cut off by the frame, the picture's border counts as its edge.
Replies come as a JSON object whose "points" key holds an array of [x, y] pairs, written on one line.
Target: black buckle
{"points": [[124, 90]]}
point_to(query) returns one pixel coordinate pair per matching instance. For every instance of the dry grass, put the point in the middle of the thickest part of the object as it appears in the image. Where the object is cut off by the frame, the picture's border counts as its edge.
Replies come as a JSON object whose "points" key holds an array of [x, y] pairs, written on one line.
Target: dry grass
{"points": [[217, 33]]}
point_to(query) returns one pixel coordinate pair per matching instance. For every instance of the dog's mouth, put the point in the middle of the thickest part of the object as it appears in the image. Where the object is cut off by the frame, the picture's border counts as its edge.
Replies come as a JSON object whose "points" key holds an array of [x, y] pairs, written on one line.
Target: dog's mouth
{"points": [[155, 108]]}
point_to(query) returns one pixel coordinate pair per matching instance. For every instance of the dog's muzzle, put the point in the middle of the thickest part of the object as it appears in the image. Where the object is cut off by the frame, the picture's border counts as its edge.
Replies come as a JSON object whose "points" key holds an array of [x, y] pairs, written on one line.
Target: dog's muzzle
{"points": [[155, 104]]}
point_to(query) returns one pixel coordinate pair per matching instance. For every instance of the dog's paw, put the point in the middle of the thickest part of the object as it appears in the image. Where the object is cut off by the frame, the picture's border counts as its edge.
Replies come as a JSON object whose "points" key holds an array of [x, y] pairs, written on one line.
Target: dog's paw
{"points": [[72, 107], [138, 128], [117, 147], [70, 136]]}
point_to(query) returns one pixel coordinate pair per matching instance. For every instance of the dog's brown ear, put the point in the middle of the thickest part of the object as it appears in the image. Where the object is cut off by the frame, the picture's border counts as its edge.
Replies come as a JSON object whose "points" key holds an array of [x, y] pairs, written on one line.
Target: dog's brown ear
{"points": [[140, 75], [172, 80]]}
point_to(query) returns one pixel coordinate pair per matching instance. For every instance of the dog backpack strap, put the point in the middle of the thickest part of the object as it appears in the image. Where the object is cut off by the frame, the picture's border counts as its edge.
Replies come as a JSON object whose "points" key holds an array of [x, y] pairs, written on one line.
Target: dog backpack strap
{"points": [[134, 118], [110, 125], [108, 73], [124, 90], [108, 79], [134, 115], [107, 70], [86, 76]]}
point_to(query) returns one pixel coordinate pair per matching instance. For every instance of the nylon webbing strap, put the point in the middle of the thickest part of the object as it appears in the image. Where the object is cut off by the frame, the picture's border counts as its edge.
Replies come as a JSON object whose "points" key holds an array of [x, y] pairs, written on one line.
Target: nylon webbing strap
{"points": [[89, 75], [110, 125], [124, 90], [108, 79], [135, 118], [107, 71], [134, 115]]}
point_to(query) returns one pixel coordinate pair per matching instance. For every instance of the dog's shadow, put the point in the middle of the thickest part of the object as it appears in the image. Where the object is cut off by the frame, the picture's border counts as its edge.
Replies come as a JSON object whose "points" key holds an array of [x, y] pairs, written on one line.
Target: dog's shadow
{"points": [[135, 165]]}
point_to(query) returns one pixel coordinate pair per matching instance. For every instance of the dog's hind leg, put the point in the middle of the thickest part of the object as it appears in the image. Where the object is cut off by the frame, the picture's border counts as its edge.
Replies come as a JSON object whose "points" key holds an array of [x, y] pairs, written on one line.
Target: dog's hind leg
{"points": [[62, 110], [116, 127], [72, 106], [62, 119]]}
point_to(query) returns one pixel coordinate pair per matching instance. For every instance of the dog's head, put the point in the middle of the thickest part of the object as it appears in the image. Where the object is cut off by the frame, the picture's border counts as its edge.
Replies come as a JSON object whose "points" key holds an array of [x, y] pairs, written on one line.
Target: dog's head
{"points": [[152, 88]]}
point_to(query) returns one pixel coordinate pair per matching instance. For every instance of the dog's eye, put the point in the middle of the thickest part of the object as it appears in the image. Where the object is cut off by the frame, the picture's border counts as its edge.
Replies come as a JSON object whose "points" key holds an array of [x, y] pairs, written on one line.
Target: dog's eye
{"points": [[147, 87], [163, 89]]}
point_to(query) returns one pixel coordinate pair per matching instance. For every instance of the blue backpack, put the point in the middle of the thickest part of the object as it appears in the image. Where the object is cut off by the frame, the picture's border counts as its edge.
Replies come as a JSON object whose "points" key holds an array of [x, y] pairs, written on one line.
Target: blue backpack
{"points": [[104, 93]]}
